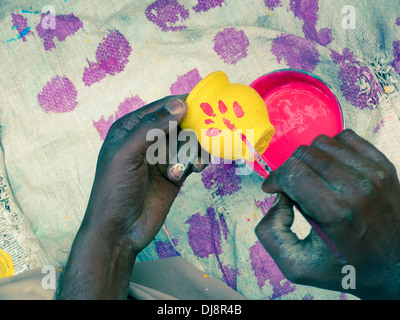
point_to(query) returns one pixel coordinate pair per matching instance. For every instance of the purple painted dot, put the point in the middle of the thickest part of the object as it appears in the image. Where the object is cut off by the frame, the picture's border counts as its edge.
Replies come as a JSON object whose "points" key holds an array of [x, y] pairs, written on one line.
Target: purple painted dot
{"points": [[229, 275], [205, 5], [396, 54], [167, 14], [166, 249], [265, 205], [307, 11], [358, 83], [222, 177], [273, 4], [20, 23], [186, 82], [111, 57], [58, 96], [102, 126], [65, 26], [231, 45], [265, 269], [397, 21], [128, 105], [343, 296], [298, 53], [324, 36], [204, 234]]}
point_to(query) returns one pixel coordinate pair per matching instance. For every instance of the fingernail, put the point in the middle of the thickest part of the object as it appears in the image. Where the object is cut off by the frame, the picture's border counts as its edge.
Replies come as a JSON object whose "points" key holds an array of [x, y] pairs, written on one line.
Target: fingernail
{"points": [[176, 172], [278, 196], [174, 107]]}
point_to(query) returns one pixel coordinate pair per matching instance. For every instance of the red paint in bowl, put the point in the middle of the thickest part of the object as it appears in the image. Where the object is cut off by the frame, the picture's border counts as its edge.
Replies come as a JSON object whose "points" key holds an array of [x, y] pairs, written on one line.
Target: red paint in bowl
{"points": [[301, 107]]}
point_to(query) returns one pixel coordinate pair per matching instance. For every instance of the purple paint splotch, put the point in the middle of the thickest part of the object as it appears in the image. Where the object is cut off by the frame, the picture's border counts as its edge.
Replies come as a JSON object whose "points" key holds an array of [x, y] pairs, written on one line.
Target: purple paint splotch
{"points": [[166, 14], [358, 84], [265, 205], [65, 26], [111, 58], [204, 234], [186, 82], [20, 23], [396, 54], [298, 53], [205, 238], [205, 5], [379, 126], [229, 275], [222, 177], [231, 45], [265, 269], [58, 96], [307, 11], [128, 105], [397, 22], [166, 249], [273, 4]]}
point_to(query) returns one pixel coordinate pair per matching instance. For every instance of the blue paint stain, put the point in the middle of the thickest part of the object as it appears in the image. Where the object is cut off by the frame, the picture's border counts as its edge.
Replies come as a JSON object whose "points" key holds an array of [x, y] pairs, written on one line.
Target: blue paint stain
{"points": [[22, 34], [31, 12]]}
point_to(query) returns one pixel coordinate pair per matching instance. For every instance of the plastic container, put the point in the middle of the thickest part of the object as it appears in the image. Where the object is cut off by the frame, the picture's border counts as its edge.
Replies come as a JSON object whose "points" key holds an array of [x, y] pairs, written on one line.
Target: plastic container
{"points": [[301, 107]]}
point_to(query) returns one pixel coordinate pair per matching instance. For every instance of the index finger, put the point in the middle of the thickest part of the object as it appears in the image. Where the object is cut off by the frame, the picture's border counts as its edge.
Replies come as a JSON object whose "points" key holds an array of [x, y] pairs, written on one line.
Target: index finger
{"points": [[305, 187]]}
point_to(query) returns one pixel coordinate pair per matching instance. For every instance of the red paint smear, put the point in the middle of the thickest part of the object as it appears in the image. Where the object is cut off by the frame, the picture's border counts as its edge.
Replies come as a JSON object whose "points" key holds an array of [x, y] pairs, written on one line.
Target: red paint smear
{"points": [[213, 132], [229, 124], [222, 107], [208, 121], [208, 110], [238, 110]]}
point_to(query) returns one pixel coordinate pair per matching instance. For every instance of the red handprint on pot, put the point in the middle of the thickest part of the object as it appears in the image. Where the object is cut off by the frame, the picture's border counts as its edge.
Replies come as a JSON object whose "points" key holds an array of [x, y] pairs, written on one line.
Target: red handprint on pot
{"points": [[223, 109], [218, 111]]}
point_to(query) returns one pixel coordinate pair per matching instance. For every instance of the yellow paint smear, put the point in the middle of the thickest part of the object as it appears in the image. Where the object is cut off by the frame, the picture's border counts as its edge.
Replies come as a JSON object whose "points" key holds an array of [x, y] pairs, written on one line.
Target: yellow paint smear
{"points": [[6, 265]]}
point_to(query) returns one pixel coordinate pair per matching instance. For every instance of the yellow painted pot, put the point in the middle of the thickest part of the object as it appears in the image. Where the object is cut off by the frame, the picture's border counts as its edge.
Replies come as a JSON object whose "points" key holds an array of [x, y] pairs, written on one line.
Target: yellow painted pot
{"points": [[219, 112]]}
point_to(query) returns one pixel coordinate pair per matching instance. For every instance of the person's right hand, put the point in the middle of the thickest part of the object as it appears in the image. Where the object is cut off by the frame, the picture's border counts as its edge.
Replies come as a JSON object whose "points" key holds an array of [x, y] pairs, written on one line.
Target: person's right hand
{"points": [[352, 191]]}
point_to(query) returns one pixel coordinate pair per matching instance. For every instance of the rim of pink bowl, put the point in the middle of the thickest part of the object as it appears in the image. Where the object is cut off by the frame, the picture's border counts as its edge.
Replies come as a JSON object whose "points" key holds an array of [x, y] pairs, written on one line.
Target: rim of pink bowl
{"points": [[313, 79]]}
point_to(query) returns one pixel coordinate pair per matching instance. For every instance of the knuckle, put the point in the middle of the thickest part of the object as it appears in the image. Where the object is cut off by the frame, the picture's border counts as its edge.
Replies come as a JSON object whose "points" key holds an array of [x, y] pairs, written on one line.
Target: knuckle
{"points": [[151, 119], [292, 164], [366, 187], [301, 152], [347, 134], [346, 216], [321, 139], [390, 170]]}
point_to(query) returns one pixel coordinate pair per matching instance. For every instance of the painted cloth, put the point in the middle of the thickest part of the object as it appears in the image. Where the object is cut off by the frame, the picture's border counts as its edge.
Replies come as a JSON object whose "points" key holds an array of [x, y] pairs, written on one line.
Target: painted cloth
{"points": [[64, 81]]}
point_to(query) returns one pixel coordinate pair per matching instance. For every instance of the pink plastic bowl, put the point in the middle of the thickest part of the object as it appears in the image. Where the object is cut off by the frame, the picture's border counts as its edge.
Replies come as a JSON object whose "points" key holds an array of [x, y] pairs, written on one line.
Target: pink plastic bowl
{"points": [[301, 107]]}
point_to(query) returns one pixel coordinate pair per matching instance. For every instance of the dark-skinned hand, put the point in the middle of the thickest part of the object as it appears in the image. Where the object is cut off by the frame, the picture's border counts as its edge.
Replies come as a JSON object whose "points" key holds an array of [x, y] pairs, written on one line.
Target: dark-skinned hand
{"points": [[129, 202], [352, 191]]}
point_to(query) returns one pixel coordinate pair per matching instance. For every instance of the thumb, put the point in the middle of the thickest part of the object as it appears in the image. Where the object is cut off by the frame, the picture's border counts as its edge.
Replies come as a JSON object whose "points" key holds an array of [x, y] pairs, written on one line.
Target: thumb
{"points": [[274, 229], [157, 124]]}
